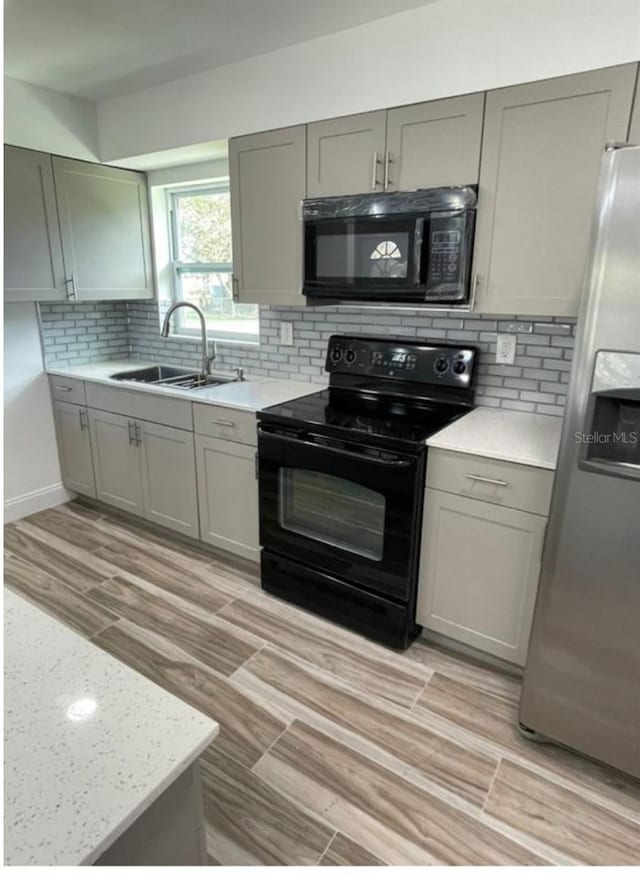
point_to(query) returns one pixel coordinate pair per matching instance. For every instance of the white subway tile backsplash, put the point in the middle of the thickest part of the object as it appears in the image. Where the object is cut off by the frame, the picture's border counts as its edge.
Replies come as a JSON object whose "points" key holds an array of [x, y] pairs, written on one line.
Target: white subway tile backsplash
{"points": [[535, 382]]}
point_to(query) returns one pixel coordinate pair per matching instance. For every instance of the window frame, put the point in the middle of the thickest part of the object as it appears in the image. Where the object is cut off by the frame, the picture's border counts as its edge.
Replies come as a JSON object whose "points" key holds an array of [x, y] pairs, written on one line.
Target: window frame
{"points": [[179, 268]]}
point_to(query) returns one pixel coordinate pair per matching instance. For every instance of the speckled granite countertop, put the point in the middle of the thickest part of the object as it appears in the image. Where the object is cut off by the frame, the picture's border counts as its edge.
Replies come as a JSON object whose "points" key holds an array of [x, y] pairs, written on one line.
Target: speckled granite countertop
{"points": [[254, 393], [525, 438], [89, 743]]}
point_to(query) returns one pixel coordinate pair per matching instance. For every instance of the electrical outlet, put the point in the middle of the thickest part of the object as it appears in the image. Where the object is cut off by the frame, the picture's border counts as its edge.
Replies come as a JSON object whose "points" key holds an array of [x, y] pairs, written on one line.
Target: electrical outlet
{"points": [[506, 349], [286, 333]]}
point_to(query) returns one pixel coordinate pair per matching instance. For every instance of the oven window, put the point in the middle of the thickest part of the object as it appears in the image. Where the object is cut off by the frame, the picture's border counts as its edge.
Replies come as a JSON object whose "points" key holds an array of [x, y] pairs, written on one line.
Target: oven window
{"points": [[332, 510]]}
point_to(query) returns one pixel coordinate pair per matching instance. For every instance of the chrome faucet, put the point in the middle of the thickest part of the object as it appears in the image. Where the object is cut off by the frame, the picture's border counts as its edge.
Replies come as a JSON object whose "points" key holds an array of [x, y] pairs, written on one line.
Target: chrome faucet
{"points": [[205, 368]]}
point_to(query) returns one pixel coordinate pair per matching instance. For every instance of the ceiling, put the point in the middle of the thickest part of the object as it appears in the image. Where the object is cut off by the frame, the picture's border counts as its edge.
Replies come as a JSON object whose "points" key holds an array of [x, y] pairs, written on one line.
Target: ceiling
{"points": [[103, 48]]}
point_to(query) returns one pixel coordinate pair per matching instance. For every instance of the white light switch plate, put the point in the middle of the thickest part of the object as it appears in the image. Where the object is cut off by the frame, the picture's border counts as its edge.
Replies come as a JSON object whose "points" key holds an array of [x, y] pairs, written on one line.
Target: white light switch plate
{"points": [[286, 333], [506, 349]]}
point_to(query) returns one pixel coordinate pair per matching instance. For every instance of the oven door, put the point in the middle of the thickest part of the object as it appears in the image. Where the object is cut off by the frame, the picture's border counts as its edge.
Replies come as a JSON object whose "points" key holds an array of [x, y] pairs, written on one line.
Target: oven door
{"points": [[342, 509], [364, 258]]}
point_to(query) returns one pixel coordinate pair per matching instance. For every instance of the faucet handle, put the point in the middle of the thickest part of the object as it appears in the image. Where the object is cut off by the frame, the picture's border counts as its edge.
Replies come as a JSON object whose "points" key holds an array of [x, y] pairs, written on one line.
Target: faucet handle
{"points": [[239, 374]]}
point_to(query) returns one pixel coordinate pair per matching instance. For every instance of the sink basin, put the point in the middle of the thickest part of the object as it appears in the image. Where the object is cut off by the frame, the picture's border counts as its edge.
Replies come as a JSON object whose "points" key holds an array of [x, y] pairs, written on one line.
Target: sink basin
{"points": [[172, 377], [157, 373]]}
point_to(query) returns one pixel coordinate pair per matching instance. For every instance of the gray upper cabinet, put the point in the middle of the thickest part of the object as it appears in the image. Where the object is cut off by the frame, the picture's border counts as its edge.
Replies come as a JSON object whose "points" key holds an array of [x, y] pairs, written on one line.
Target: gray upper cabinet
{"points": [[435, 143], [541, 154], [33, 266], [74, 447], [346, 155], [104, 222], [268, 181]]}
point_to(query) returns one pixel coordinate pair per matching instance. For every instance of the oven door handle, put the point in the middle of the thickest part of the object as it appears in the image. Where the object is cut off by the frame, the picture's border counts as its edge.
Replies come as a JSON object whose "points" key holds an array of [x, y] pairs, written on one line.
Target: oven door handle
{"points": [[385, 462]]}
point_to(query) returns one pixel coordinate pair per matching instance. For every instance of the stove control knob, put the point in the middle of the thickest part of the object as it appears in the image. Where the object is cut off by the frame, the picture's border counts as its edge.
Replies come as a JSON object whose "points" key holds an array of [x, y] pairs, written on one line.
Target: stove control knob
{"points": [[350, 356], [459, 367], [441, 365], [336, 354]]}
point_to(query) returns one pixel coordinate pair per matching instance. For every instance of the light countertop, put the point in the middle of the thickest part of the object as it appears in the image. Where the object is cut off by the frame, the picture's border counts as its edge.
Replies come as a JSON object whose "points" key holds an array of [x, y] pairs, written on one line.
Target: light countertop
{"points": [[524, 438], [89, 743], [254, 393]]}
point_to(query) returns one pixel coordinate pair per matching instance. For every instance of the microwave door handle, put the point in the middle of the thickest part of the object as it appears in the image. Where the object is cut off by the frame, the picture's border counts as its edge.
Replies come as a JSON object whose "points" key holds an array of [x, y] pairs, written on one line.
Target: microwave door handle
{"points": [[418, 249], [385, 462]]}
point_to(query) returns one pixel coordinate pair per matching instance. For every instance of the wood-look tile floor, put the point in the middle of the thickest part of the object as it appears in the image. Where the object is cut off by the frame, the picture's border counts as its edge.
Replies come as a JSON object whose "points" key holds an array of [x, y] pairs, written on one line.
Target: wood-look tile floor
{"points": [[332, 750]]}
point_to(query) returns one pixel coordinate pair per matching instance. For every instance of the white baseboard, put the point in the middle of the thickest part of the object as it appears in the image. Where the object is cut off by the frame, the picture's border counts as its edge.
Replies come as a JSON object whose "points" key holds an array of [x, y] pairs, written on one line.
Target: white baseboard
{"points": [[33, 502]]}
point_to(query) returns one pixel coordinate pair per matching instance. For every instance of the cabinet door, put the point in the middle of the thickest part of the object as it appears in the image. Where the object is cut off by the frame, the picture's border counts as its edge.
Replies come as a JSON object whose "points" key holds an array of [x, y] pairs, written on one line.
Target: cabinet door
{"points": [[267, 182], [345, 155], [104, 221], [74, 447], [228, 469], [168, 477], [116, 460], [33, 267], [479, 573], [541, 154], [435, 143]]}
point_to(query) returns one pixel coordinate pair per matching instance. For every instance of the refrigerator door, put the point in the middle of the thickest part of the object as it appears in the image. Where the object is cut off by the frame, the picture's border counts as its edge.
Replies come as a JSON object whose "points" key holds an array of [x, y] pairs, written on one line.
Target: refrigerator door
{"points": [[582, 678]]}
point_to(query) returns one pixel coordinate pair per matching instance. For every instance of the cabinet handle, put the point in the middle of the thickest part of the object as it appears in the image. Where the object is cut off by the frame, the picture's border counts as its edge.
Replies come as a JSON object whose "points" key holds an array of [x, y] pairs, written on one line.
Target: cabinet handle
{"points": [[234, 288], [486, 479], [62, 388], [136, 431], [83, 419], [374, 171], [132, 433], [257, 466], [226, 422], [71, 292], [387, 161]]}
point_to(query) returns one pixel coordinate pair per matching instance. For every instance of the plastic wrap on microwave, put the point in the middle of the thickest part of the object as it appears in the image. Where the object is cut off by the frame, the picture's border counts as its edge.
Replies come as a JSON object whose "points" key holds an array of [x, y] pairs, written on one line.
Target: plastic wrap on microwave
{"points": [[393, 203]]}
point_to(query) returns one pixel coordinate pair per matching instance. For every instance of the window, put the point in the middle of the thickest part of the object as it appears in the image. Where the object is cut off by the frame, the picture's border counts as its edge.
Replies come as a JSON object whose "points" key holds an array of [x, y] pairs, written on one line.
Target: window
{"points": [[200, 229]]}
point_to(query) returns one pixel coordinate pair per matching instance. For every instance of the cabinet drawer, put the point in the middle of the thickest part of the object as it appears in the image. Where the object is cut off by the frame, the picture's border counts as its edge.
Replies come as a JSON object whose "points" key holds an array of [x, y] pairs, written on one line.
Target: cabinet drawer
{"points": [[236, 425], [139, 405], [486, 479], [64, 388]]}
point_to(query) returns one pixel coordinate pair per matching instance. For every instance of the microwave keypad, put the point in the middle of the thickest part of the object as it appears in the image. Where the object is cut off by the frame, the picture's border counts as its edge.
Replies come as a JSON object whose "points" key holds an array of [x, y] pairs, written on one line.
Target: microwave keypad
{"points": [[446, 239]]}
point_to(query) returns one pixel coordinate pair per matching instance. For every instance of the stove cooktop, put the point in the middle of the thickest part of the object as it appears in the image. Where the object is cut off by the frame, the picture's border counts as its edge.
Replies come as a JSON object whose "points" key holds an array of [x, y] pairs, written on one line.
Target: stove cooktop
{"points": [[360, 417]]}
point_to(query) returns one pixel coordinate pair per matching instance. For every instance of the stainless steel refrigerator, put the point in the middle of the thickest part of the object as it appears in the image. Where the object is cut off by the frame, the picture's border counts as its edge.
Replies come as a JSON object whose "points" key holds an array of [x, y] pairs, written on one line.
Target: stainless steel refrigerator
{"points": [[582, 678]]}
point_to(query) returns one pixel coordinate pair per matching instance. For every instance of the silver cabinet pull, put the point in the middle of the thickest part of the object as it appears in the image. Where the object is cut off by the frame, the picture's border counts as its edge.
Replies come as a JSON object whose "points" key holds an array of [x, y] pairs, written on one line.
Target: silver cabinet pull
{"points": [[257, 464], [62, 388], [226, 422], [387, 161], [234, 288], [83, 419], [474, 291], [132, 433], [70, 282], [486, 479], [374, 171], [136, 431]]}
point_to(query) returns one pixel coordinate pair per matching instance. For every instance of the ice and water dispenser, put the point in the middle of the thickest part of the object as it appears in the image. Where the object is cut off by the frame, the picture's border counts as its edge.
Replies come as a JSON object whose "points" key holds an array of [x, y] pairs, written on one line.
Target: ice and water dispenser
{"points": [[611, 438]]}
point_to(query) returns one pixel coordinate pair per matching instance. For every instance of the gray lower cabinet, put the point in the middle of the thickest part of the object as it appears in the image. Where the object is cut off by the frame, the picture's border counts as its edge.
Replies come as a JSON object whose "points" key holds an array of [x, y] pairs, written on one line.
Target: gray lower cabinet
{"points": [[434, 144], [479, 573], [33, 265], [147, 469], [541, 153], [104, 222], [228, 495], [267, 182], [74, 447], [168, 477], [116, 461], [346, 155]]}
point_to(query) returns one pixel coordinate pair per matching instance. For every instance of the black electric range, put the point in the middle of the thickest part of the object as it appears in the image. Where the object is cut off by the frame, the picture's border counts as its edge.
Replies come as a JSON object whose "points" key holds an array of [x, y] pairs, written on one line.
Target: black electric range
{"points": [[341, 480]]}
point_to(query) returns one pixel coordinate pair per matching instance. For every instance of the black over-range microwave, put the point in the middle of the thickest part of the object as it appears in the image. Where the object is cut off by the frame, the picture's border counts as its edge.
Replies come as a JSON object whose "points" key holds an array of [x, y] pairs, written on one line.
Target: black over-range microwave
{"points": [[402, 247]]}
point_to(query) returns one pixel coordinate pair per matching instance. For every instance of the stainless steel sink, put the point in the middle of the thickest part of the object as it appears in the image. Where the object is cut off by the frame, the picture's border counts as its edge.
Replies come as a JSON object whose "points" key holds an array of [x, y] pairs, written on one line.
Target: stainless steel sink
{"points": [[172, 377]]}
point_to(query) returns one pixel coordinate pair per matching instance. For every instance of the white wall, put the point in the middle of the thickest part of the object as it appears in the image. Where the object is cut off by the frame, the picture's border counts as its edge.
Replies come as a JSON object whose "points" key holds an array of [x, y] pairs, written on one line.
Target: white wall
{"points": [[48, 121], [445, 48], [31, 467]]}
